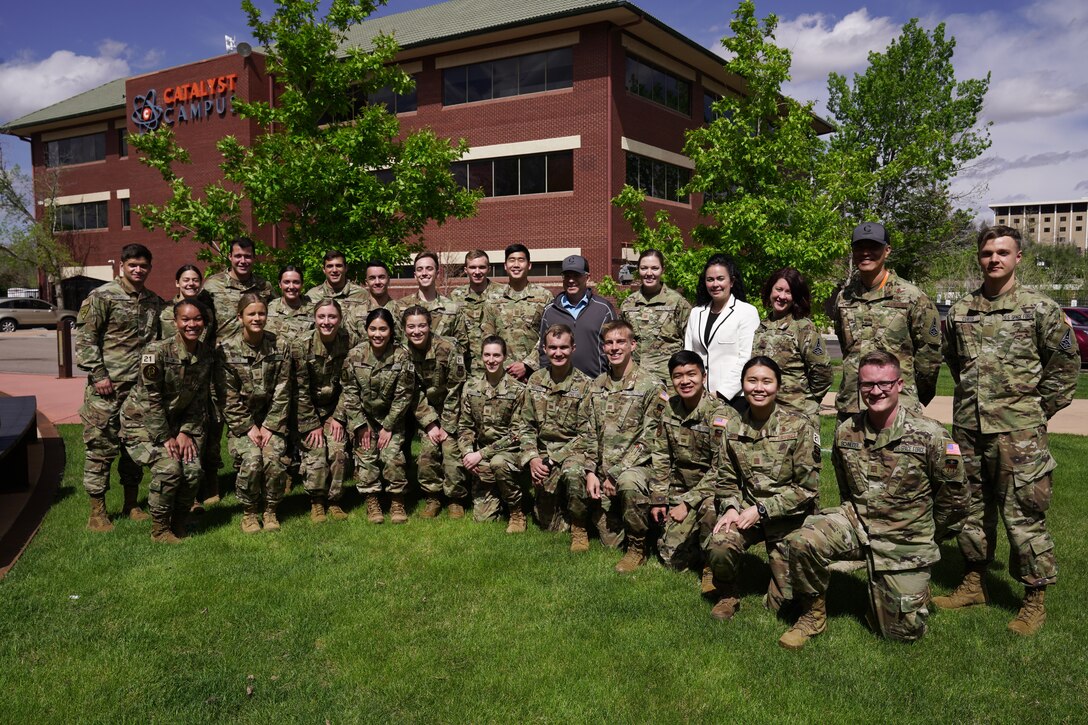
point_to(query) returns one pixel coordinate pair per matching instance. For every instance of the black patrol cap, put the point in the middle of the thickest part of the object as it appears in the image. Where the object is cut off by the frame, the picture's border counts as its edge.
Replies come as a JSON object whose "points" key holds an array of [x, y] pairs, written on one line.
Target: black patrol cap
{"points": [[870, 232], [576, 263]]}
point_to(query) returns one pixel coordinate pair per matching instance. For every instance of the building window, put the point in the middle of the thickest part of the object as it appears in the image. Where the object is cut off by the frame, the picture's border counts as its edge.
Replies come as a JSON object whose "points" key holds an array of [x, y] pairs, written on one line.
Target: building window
{"points": [[658, 86], [122, 142], [77, 217], [1046, 219], [709, 99], [126, 213], [1046, 230], [657, 178], [517, 76], [1061, 229], [1061, 219], [76, 150], [518, 175], [395, 102], [1080, 229]]}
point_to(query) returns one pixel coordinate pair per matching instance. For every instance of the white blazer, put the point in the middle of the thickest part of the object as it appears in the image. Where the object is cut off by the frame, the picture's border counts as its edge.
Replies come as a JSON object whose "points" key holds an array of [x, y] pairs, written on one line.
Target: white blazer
{"points": [[730, 343]]}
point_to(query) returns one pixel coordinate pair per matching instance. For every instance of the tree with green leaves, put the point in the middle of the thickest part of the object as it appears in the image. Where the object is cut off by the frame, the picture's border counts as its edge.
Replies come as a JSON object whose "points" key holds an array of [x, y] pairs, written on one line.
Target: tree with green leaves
{"points": [[913, 126], [331, 169], [771, 187]]}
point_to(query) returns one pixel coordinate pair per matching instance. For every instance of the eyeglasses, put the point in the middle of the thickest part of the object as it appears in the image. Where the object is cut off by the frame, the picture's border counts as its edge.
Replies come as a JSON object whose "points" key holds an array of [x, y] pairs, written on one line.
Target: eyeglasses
{"points": [[884, 385]]}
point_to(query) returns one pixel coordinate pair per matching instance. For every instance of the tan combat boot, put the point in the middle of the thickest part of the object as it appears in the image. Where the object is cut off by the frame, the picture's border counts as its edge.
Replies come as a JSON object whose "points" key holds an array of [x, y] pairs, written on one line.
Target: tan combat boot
{"points": [[271, 523], [517, 522], [338, 514], [1032, 613], [213, 496], [250, 523], [970, 592], [635, 556], [432, 509], [727, 605], [813, 621], [131, 508], [579, 538], [317, 511], [160, 531], [706, 582], [397, 513], [99, 520], [374, 509], [456, 510]]}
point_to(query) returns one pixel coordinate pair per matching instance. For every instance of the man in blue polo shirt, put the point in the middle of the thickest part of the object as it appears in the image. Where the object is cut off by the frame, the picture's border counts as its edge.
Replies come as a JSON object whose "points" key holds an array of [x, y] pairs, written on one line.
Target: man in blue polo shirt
{"points": [[582, 311]]}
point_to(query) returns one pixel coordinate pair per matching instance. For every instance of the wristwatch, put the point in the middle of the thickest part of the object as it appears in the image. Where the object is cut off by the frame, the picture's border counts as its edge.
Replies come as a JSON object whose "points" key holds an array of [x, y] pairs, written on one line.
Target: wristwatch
{"points": [[762, 510]]}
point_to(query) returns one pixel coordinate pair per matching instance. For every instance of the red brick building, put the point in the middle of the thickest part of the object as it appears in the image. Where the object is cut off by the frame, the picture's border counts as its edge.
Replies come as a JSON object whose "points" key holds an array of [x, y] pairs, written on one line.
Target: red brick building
{"points": [[562, 102]]}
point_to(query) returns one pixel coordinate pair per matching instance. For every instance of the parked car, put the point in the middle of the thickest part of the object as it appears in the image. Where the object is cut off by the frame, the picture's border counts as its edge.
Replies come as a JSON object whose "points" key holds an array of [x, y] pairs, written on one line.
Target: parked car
{"points": [[1079, 317], [16, 312]]}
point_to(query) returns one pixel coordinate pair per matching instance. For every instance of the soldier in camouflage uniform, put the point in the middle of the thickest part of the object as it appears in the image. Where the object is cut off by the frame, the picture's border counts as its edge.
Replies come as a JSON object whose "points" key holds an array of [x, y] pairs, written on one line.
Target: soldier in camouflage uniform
{"points": [[354, 299], [378, 382], [688, 434], [659, 316], [226, 289], [445, 313], [115, 323], [162, 420], [291, 315], [902, 487], [490, 401], [440, 373], [514, 313], [879, 311], [790, 339], [318, 363], [553, 428], [626, 405], [1015, 361], [376, 277], [766, 480], [471, 298], [253, 378], [190, 284]]}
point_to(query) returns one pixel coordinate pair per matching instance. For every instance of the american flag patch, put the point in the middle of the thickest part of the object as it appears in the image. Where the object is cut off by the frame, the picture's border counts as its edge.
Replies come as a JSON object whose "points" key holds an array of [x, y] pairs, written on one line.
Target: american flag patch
{"points": [[664, 396], [952, 449], [720, 422]]}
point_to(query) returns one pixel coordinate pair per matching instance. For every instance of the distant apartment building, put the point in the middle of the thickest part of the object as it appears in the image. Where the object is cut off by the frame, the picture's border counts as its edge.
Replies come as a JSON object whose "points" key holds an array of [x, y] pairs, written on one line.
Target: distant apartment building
{"points": [[1047, 222]]}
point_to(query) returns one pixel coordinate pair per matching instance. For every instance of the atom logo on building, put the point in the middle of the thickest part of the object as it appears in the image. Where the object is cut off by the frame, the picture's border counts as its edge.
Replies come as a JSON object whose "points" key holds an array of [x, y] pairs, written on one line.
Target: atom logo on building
{"points": [[146, 113]]}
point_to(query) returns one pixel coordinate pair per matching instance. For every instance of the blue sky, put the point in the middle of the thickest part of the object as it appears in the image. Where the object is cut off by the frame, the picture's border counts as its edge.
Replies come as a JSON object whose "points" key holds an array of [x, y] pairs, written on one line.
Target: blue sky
{"points": [[1038, 100]]}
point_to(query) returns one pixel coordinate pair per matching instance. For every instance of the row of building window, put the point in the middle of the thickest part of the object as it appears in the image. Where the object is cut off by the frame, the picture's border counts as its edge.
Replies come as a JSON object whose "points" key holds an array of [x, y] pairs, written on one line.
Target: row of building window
{"points": [[88, 215], [83, 149], [657, 178], [518, 175], [517, 76], [657, 85]]}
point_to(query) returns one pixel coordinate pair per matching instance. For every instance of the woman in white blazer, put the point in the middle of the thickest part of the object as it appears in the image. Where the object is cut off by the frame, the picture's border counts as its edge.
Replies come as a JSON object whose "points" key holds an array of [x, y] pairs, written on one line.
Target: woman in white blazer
{"points": [[721, 327]]}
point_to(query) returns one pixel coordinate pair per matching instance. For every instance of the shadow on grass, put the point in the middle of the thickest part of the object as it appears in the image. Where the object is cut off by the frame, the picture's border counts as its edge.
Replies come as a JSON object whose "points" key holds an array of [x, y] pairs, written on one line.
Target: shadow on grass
{"points": [[948, 573]]}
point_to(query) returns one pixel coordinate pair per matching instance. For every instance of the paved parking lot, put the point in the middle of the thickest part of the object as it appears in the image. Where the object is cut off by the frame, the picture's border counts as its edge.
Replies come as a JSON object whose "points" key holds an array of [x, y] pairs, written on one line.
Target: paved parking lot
{"points": [[31, 351]]}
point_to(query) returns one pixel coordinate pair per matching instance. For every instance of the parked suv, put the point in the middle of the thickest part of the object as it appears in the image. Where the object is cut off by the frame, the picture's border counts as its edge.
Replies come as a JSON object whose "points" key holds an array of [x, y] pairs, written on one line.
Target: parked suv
{"points": [[16, 312]]}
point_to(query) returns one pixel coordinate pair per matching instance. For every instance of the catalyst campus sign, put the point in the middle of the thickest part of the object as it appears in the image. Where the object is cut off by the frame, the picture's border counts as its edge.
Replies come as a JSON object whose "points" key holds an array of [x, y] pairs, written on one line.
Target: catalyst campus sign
{"points": [[203, 99]]}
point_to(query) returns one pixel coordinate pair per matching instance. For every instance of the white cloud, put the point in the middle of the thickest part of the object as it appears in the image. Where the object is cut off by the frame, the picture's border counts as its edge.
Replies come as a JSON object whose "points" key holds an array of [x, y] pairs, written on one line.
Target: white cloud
{"points": [[27, 84], [820, 46]]}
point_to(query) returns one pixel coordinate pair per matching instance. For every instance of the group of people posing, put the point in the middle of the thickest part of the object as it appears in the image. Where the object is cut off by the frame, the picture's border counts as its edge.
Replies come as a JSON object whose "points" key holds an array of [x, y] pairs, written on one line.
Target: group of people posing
{"points": [[692, 432]]}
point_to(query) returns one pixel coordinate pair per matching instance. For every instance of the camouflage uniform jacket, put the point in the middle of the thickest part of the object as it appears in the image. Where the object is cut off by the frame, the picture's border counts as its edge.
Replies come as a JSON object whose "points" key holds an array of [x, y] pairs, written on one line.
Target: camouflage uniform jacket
{"points": [[172, 394], [471, 333], [487, 415], [683, 448], [624, 420], [1014, 359], [896, 317], [289, 324], [318, 370], [445, 315], [555, 417], [350, 295], [378, 389], [515, 317], [225, 292], [254, 384], [169, 328], [776, 465], [659, 324], [440, 372], [115, 323], [905, 485], [798, 348], [354, 319]]}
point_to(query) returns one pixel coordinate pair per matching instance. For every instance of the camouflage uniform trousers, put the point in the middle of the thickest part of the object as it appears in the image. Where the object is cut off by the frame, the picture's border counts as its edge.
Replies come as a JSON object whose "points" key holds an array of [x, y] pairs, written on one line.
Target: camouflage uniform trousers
{"points": [[101, 418], [260, 469], [681, 543], [603, 513], [725, 551], [1009, 473], [549, 496], [438, 468], [373, 466], [173, 483], [897, 599], [497, 479], [633, 491], [323, 468]]}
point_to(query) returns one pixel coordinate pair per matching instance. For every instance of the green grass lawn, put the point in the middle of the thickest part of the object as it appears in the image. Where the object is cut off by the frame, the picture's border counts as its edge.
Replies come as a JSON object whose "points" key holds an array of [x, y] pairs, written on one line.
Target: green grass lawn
{"points": [[946, 386], [452, 621]]}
